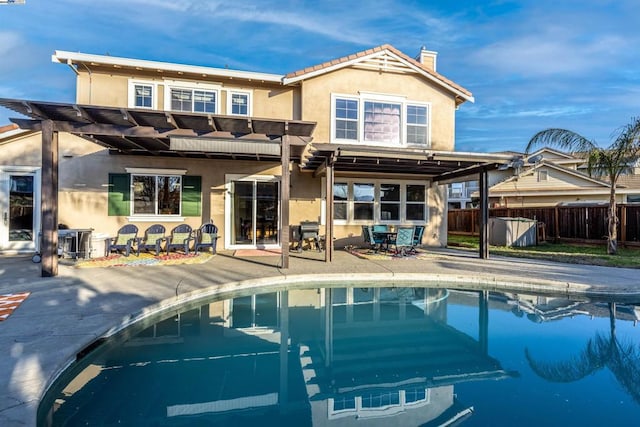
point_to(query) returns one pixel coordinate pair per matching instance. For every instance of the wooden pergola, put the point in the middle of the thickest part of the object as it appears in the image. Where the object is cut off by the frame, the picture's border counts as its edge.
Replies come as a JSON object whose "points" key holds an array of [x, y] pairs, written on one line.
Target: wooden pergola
{"points": [[194, 135]]}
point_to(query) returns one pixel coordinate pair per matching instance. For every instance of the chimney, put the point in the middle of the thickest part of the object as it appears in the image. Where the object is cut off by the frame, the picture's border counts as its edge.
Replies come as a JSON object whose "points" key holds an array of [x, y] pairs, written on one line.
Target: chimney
{"points": [[427, 58]]}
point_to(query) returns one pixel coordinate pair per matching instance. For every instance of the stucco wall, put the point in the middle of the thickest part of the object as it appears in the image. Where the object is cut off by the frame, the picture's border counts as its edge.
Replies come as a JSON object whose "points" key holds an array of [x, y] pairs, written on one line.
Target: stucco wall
{"points": [[316, 99]]}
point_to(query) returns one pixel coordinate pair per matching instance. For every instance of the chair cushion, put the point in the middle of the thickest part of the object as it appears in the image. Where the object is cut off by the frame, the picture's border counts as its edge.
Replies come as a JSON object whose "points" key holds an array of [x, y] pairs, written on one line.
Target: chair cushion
{"points": [[123, 239]]}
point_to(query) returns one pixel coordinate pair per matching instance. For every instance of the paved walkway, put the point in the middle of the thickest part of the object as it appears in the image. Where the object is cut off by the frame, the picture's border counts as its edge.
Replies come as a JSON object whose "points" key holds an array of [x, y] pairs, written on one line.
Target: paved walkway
{"points": [[64, 314]]}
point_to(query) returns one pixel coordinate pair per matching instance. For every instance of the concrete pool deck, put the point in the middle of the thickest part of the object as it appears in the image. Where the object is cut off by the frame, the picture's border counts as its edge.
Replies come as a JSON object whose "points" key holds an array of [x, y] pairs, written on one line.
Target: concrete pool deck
{"points": [[65, 313]]}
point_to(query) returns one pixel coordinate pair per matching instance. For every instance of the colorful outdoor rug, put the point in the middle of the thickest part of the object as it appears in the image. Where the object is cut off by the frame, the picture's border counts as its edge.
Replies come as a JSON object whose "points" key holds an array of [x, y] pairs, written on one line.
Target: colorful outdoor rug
{"points": [[9, 302], [366, 253], [257, 252], [144, 259]]}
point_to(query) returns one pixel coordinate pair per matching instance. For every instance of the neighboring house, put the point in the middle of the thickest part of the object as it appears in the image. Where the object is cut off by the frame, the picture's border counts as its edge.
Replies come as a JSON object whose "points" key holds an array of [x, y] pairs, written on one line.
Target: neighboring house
{"points": [[370, 139], [549, 177]]}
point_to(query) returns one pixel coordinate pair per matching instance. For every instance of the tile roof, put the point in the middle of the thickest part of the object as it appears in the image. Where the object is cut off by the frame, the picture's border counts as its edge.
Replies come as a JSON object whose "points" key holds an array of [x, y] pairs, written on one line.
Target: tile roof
{"points": [[7, 128], [381, 48]]}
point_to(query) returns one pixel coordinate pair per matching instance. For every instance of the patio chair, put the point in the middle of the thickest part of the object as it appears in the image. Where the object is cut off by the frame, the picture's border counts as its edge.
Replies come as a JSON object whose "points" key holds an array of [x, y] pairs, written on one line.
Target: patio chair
{"points": [[375, 241], [152, 239], [123, 241], [206, 237], [180, 238], [417, 238], [404, 240]]}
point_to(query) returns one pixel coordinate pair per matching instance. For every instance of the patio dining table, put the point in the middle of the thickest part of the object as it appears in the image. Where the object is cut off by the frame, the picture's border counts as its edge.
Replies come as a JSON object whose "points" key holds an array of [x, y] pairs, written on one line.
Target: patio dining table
{"points": [[387, 238]]}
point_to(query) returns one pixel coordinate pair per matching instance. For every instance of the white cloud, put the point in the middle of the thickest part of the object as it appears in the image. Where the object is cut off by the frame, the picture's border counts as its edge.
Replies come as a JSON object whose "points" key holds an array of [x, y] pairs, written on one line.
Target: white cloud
{"points": [[8, 42]]}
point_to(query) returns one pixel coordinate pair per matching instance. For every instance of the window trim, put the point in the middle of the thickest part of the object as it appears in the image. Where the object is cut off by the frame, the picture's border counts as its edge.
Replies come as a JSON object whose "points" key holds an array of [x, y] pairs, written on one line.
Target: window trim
{"points": [[363, 97], [229, 106], [132, 93], [192, 86]]}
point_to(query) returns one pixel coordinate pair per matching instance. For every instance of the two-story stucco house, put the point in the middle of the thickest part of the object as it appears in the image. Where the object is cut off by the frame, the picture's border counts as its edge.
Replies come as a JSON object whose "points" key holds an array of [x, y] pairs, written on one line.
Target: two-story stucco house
{"points": [[366, 138]]}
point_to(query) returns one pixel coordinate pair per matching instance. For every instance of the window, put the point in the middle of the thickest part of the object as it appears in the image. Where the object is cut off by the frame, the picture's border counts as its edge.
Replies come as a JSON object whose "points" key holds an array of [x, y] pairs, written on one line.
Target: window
{"points": [[378, 201], [156, 195], [144, 194], [198, 101], [415, 203], [385, 119], [415, 395], [416, 124], [343, 403], [380, 400], [143, 96], [204, 101], [390, 202], [340, 200], [381, 122], [363, 198], [238, 104], [346, 124], [543, 175]]}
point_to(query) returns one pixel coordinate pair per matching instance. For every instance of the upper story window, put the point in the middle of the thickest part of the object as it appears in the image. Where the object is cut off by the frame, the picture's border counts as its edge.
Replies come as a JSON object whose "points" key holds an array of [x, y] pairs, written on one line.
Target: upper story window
{"points": [[191, 97], [417, 124], [346, 125], [199, 101], [387, 120], [142, 94], [382, 122], [239, 103]]}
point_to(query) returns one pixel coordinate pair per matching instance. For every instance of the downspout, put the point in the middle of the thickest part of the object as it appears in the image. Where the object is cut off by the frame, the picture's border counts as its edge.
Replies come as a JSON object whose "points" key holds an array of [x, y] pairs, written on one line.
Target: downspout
{"points": [[75, 70]]}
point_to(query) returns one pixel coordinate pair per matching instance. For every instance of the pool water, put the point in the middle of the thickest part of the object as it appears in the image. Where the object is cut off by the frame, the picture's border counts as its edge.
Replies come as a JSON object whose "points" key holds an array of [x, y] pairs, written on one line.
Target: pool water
{"points": [[380, 356]]}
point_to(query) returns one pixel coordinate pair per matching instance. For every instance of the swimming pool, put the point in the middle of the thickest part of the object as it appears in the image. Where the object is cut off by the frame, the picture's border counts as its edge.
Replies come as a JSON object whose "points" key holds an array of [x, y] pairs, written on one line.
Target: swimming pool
{"points": [[360, 355]]}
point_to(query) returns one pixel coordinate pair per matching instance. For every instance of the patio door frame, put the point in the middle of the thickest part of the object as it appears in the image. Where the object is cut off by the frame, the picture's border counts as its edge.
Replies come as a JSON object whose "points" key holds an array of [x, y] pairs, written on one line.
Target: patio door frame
{"points": [[27, 246], [229, 211]]}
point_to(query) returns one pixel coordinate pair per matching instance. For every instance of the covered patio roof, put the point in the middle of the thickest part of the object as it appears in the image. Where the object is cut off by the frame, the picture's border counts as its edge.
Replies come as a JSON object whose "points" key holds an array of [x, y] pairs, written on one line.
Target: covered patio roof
{"points": [[440, 166], [163, 133]]}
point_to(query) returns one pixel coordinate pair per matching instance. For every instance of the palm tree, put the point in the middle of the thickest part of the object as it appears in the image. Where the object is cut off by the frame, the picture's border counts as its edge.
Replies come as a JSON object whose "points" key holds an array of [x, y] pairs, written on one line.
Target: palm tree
{"points": [[610, 162]]}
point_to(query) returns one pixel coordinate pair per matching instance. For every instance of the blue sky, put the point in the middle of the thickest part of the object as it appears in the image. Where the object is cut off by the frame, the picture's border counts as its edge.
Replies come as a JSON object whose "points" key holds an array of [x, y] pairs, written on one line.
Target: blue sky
{"points": [[529, 64]]}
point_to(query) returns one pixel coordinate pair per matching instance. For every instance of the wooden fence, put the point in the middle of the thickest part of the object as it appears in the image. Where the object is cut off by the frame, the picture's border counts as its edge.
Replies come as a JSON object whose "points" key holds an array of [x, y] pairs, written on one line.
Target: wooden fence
{"points": [[568, 223]]}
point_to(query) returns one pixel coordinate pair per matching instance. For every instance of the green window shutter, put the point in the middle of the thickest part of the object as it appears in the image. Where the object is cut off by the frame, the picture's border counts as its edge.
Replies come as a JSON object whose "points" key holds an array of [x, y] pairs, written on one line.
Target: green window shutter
{"points": [[191, 195], [119, 194]]}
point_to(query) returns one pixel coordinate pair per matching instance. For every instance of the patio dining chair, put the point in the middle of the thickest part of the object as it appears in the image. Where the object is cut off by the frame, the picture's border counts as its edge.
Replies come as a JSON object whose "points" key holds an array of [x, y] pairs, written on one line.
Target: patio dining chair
{"points": [[206, 237], [123, 241], [180, 238], [152, 239], [374, 240], [417, 238], [404, 240]]}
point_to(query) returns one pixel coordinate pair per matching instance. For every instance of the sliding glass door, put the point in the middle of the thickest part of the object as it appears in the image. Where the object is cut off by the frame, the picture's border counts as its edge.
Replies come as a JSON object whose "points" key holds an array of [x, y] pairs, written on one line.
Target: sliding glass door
{"points": [[254, 213]]}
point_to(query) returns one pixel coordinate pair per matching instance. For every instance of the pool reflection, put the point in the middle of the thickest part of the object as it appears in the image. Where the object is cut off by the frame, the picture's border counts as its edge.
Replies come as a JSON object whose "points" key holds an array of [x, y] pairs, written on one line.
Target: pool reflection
{"points": [[331, 356]]}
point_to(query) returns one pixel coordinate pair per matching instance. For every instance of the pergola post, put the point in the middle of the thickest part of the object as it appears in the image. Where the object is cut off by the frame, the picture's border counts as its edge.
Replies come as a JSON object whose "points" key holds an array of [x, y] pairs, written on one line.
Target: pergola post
{"points": [[328, 238], [49, 186], [284, 200], [484, 214]]}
